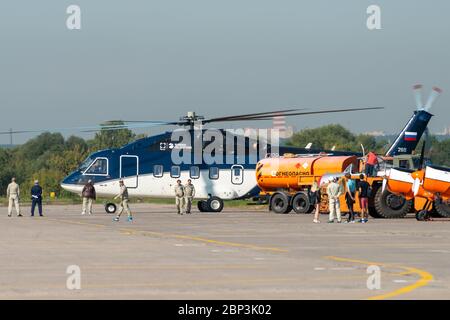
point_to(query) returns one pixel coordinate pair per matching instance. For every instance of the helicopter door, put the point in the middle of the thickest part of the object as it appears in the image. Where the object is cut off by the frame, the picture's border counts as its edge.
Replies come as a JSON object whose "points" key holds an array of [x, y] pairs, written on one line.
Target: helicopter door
{"points": [[129, 170], [237, 174]]}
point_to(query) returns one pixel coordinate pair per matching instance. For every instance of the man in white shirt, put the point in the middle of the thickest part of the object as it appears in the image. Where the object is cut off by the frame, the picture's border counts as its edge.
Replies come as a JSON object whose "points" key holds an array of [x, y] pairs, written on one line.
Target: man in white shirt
{"points": [[334, 191], [13, 194]]}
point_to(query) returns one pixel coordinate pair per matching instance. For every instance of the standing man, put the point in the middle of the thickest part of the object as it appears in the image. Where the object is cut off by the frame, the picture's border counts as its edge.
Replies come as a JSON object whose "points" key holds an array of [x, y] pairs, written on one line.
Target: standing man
{"points": [[371, 162], [89, 196], [364, 190], [179, 196], [334, 191], [36, 198], [316, 198], [123, 195], [189, 194], [13, 194], [350, 192]]}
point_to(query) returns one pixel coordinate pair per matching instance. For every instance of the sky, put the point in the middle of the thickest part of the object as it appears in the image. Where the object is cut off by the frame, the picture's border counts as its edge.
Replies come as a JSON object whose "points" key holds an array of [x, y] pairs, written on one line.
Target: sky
{"points": [[156, 60]]}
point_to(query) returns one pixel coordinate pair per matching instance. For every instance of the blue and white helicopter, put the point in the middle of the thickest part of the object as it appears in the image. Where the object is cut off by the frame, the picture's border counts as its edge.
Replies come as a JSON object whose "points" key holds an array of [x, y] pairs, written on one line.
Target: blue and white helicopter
{"points": [[148, 170]]}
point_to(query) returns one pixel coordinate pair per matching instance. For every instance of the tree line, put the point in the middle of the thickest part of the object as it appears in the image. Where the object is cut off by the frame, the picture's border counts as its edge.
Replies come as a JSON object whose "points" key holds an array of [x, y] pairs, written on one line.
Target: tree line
{"points": [[50, 157], [335, 135]]}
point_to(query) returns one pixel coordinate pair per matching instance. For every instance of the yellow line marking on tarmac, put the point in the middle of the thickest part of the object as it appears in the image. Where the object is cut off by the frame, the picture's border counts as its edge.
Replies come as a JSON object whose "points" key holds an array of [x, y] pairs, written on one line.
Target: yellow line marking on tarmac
{"points": [[425, 277], [78, 222], [204, 240], [128, 231]]}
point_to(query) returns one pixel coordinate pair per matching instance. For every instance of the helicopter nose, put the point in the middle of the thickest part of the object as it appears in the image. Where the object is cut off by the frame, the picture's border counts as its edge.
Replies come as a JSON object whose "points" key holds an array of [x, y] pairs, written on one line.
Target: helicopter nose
{"points": [[72, 187]]}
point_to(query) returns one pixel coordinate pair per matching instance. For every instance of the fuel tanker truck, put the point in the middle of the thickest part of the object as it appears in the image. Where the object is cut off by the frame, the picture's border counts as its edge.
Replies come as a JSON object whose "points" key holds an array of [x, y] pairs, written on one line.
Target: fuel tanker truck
{"points": [[286, 183]]}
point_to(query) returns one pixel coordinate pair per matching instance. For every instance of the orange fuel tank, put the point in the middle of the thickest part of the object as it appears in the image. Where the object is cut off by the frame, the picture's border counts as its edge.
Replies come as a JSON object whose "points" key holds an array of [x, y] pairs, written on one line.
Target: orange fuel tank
{"points": [[297, 172]]}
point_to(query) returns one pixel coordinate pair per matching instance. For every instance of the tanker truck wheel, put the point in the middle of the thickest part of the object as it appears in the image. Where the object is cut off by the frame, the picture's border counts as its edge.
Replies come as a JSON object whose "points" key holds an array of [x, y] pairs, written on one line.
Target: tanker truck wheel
{"points": [[301, 203], [280, 203], [442, 209], [391, 206]]}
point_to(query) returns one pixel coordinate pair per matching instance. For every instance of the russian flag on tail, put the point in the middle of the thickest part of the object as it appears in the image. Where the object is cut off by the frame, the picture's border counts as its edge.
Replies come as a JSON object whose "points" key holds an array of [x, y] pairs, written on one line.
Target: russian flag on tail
{"points": [[410, 136]]}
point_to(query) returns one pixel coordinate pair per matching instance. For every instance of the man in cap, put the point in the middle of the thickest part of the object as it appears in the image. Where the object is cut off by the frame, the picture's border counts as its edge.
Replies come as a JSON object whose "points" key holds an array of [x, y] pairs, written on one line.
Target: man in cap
{"points": [[334, 191], [123, 195], [13, 194], [189, 194], [89, 196], [36, 198], [179, 196]]}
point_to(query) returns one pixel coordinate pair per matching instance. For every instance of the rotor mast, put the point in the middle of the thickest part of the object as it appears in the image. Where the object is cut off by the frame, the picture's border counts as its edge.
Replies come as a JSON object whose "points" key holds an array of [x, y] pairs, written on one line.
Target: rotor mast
{"points": [[193, 120]]}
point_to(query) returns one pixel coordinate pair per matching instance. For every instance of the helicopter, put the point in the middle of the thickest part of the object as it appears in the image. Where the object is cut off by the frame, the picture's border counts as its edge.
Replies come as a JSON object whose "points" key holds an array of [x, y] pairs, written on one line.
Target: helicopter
{"points": [[150, 166], [220, 162]]}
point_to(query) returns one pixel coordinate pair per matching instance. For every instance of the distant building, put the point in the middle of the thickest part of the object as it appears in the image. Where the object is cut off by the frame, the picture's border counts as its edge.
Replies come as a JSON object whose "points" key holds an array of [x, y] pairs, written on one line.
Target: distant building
{"points": [[7, 146], [375, 133], [446, 132]]}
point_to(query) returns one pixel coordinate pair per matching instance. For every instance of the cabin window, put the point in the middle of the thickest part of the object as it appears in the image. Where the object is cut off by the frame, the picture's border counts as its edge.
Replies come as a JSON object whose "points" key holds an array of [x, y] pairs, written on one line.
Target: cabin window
{"points": [[195, 172], [214, 173], [98, 167], [158, 170], [175, 172]]}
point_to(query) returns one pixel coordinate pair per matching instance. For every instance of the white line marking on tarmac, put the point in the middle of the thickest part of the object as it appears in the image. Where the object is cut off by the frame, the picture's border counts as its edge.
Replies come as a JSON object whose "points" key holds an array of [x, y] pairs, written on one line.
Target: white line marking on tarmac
{"points": [[319, 268], [440, 251], [399, 281]]}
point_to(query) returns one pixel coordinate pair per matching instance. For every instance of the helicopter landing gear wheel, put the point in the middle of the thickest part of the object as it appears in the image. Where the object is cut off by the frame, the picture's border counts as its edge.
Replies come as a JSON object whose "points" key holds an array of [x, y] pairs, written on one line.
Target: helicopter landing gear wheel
{"points": [[110, 208], [215, 204], [202, 206]]}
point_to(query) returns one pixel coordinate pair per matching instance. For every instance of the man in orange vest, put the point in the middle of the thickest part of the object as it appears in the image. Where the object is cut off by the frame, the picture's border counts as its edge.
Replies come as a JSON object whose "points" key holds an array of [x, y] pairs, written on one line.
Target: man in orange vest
{"points": [[371, 162]]}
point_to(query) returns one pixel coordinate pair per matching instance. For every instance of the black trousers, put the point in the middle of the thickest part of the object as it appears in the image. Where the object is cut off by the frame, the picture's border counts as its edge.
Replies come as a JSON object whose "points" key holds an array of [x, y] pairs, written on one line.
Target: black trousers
{"points": [[350, 202], [369, 170], [37, 202]]}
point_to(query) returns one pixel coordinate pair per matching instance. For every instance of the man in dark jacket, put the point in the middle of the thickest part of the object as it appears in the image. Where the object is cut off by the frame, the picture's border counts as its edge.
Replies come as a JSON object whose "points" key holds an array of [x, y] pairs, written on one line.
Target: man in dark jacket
{"points": [[89, 196], [36, 198]]}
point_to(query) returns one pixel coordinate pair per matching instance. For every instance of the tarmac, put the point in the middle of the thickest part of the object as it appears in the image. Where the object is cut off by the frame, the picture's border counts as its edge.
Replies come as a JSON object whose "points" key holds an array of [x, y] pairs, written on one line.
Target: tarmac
{"points": [[240, 253]]}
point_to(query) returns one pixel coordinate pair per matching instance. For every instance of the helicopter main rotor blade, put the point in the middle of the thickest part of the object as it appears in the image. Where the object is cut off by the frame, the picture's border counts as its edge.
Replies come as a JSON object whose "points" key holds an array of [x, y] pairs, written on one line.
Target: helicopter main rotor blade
{"points": [[243, 116], [168, 123], [302, 113], [87, 129], [225, 118]]}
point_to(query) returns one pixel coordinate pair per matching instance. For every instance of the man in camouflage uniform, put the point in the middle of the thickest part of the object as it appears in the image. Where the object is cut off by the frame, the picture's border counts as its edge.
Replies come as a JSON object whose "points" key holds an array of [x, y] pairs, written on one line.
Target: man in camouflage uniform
{"points": [[189, 194], [179, 196], [123, 195]]}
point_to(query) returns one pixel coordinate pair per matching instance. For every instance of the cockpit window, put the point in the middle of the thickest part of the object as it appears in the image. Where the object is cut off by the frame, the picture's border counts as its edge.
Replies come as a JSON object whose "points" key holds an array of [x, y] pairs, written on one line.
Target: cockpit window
{"points": [[85, 164], [98, 167]]}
